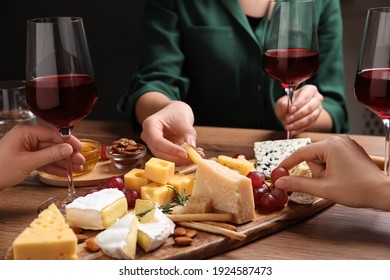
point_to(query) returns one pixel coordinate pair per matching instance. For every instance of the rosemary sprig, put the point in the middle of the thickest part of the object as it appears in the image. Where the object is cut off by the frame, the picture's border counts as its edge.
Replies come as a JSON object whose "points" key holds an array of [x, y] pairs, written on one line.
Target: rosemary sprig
{"points": [[178, 199]]}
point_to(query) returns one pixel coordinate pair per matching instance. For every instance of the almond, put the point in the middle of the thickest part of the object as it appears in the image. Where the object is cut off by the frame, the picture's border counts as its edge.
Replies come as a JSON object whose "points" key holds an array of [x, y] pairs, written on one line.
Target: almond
{"points": [[92, 245], [180, 231], [191, 233], [183, 241]]}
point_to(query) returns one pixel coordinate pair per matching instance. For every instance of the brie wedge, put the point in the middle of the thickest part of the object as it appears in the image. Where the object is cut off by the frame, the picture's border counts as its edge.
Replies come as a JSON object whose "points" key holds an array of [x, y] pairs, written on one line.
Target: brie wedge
{"points": [[97, 210], [154, 227], [120, 240]]}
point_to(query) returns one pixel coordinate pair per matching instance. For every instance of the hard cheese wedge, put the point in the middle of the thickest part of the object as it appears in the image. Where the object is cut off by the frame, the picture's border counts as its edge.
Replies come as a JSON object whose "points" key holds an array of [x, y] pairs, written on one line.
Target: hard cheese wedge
{"points": [[47, 238], [229, 191], [120, 240], [97, 210], [154, 227]]}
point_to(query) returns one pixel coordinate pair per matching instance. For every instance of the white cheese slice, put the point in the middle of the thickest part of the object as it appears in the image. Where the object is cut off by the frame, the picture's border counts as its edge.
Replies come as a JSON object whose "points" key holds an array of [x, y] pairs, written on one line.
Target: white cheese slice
{"points": [[301, 198], [120, 240], [97, 210], [269, 154], [154, 228], [229, 191]]}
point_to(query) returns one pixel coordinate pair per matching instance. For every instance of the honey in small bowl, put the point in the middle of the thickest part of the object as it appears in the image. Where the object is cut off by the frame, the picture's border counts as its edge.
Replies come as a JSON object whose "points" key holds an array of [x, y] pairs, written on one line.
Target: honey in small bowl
{"points": [[91, 153]]}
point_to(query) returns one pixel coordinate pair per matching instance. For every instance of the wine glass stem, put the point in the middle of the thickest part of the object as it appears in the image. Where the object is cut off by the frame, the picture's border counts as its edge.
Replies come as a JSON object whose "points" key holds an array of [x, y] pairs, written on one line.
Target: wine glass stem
{"points": [[290, 94], [66, 133], [386, 123]]}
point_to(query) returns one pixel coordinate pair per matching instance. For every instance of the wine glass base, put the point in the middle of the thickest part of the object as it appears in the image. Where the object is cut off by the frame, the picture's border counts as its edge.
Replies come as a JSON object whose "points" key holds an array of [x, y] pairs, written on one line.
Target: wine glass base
{"points": [[60, 201]]}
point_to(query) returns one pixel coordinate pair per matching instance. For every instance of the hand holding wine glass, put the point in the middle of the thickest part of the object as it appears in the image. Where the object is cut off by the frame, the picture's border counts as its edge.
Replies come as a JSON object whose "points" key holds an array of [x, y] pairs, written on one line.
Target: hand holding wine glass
{"points": [[372, 83], [61, 89], [291, 53]]}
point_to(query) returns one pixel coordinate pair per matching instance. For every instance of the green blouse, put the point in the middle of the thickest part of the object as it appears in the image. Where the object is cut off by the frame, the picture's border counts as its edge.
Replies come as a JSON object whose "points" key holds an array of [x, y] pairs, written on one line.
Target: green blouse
{"points": [[205, 53]]}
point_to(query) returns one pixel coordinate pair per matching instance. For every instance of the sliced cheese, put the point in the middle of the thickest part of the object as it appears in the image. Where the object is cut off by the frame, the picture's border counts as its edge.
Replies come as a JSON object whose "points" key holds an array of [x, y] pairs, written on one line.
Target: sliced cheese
{"points": [[97, 210], [229, 191], [119, 241], [240, 164], [47, 238], [194, 205], [154, 227]]}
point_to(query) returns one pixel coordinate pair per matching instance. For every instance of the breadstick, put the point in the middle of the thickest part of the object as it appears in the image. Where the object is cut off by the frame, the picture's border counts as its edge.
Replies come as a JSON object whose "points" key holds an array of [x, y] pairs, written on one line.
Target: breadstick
{"points": [[222, 217], [214, 229]]}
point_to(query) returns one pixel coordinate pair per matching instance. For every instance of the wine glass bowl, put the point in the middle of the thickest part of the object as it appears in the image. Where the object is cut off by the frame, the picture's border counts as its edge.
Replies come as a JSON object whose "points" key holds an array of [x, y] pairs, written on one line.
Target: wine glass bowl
{"points": [[60, 84], [291, 53], [372, 82]]}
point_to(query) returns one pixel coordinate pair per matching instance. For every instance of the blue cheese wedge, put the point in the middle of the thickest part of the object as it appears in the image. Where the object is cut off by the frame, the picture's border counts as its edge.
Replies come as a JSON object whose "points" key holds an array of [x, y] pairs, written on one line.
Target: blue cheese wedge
{"points": [[269, 154], [97, 210], [119, 241]]}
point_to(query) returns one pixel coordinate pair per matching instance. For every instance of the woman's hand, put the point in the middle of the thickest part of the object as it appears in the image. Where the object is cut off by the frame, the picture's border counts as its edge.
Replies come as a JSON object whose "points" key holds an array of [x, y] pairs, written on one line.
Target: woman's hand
{"points": [[165, 131], [342, 172], [27, 148], [304, 112]]}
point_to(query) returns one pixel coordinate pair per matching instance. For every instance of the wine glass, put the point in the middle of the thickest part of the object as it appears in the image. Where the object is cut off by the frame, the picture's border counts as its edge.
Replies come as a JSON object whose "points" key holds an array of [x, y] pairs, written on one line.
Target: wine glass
{"points": [[291, 53], [60, 85], [372, 82]]}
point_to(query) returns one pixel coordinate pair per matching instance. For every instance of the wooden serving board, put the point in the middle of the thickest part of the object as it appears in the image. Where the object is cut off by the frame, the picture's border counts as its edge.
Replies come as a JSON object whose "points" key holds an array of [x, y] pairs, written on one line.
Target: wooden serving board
{"points": [[206, 245], [102, 171]]}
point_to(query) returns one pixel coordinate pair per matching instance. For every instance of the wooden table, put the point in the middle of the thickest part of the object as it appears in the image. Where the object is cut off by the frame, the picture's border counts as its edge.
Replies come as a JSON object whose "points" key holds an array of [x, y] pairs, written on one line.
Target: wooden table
{"points": [[335, 233]]}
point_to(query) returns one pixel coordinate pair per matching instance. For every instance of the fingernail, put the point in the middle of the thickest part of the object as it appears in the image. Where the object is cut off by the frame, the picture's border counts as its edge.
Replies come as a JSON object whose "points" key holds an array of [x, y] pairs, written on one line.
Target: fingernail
{"points": [[293, 108]]}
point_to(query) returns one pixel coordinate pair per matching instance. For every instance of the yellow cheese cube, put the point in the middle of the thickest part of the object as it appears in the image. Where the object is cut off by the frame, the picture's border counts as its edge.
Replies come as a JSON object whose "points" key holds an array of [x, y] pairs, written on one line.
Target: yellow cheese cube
{"points": [[159, 193], [47, 238], [159, 171], [240, 164], [135, 179], [183, 182]]}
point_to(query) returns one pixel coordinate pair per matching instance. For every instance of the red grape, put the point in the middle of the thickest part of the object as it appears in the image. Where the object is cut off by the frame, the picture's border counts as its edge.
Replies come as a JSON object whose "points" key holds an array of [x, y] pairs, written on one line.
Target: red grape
{"points": [[103, 155], [131, 197], [281, 196], [258, 194], [257, 179], [114, 182], [239, 155], [277, 173], [268, 202]]}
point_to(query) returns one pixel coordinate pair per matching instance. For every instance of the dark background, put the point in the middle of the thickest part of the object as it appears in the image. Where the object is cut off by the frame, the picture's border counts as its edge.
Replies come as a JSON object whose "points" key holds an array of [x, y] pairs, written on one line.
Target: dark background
{"points": [[113, 32]]}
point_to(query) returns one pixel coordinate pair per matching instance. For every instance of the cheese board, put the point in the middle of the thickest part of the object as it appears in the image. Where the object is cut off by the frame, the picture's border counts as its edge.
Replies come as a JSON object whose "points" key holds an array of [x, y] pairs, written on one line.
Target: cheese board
{"points": [[207, 245]]}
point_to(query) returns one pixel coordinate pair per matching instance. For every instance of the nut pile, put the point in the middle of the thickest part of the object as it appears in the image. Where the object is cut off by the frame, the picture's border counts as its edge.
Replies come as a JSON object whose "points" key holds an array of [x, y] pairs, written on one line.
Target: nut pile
{"points": [[184, 237], [126, 146]]}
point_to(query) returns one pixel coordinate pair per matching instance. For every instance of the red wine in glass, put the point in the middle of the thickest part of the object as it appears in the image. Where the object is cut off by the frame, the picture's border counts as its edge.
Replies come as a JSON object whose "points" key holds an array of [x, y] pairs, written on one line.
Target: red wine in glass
{"points": [[372, 81], [291, 53], [60, 85], [62, 100], [372, 89], [291, 66]]}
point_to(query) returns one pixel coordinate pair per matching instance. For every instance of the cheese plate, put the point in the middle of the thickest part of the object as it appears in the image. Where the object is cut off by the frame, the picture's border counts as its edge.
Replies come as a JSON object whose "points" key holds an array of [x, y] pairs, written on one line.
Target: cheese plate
{"points": [[207, 245]]}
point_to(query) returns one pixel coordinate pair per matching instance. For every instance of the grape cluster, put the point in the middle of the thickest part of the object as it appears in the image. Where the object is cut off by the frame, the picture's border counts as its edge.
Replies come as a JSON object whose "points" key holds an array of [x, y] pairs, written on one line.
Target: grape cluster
{"points": [[117, 182], [267, 196]]}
